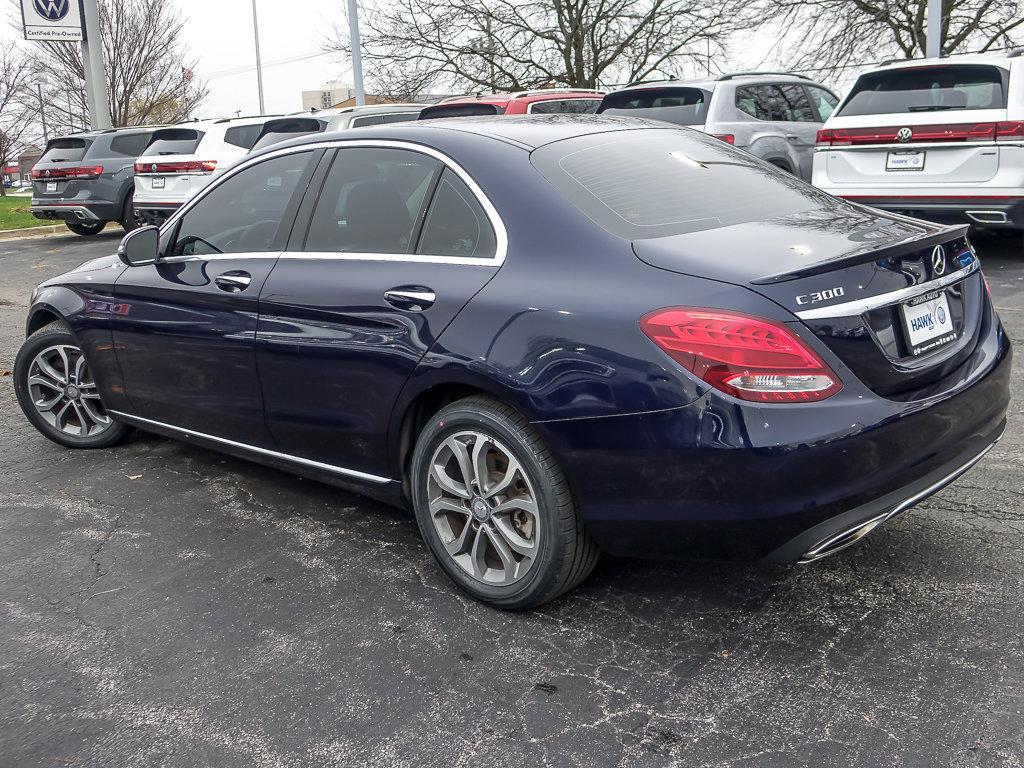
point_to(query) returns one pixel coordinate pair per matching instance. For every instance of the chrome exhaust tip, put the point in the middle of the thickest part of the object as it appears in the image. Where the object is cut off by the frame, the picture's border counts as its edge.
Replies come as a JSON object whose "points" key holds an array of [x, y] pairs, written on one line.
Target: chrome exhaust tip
{"points": [[844, 539], [988, 217]]}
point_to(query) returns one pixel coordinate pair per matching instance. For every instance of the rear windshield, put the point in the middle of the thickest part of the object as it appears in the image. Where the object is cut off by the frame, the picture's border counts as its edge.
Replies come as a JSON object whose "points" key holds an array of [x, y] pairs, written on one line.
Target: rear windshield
{"points": [[65, 151], [459, 110], [564, 107], [279, 130], [927, 89], [389, 117], [174, 141], [655, 183], [682, 106]]}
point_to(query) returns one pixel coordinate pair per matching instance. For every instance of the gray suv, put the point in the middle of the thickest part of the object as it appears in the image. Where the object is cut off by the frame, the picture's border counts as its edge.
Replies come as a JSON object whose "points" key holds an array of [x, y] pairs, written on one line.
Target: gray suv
{"points": [[774, 116], [88, 179]]}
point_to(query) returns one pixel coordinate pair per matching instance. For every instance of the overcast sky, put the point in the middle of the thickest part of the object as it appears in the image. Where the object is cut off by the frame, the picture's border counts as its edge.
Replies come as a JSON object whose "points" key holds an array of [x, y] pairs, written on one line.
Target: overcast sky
{"points": [[220, 36]]}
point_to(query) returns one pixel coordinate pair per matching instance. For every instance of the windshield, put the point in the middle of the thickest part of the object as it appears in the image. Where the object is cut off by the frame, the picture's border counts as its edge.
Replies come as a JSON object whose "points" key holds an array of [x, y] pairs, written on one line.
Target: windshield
{"points": [[682, 106], [658, 182], [927, 89]]}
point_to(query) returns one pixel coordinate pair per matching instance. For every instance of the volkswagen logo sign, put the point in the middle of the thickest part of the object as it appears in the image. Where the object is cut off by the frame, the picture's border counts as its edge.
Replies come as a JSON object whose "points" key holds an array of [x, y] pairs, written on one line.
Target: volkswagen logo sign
{"points": [[154, 166], [904, 135], [52, 10], [46, 173], [938, 260]]}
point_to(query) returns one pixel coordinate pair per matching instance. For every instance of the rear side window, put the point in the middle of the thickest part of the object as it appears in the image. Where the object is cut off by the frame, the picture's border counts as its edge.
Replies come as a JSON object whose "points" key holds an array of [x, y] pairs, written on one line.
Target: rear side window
{"points": [[824, 100], [927, 89], [459, 110], [371, 201], [391, 117], [565, 107], [456, 224], [174, 141], [279, 130], [779, 103], [65, 151], [129, 144], [243, 136], [683, 106], [654, 183]]}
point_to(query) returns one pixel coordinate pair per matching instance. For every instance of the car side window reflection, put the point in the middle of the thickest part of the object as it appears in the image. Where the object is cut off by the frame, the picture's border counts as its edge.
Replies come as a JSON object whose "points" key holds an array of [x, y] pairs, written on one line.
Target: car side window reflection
{"points": [[371, 201], [456, 225], [243, 214]]}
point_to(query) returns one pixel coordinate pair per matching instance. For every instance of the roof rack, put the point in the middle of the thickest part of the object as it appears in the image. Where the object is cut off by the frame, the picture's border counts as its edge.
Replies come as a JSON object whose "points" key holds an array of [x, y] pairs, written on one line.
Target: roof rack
{"points": [[241, 117], [669, 79], [535, 91], [733, 75]]}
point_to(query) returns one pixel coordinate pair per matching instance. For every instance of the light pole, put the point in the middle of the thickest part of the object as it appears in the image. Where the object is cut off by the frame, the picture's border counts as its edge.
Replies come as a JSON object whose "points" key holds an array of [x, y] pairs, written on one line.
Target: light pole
{"points": [[259, 63], [934, 30], [95, 76], [357, 55]]}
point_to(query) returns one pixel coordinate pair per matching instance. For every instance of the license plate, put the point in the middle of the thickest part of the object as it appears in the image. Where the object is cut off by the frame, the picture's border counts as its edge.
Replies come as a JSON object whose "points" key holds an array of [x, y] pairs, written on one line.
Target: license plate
{"points": [[158, 182], [905, 161], [927, 323], [51, 186]]}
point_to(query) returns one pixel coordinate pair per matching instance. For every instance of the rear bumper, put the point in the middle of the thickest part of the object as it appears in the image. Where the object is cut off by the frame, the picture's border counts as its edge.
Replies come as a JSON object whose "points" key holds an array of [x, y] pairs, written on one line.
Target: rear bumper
{"points": [[983, 210], [75, 211], [154, 212], [725, 480]]}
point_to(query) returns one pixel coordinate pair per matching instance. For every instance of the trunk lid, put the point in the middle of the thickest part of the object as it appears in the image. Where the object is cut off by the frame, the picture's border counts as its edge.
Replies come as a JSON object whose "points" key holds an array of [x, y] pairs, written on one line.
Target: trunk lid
{"points": [[55, 174], [847, 273]]}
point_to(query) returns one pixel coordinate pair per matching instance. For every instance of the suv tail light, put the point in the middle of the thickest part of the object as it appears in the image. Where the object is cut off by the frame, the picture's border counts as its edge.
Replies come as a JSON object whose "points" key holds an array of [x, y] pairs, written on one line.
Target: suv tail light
{"points": [[188, 166], [728, 138], [80, 172], [1007, 130], [747, 357], [1010, 130]]}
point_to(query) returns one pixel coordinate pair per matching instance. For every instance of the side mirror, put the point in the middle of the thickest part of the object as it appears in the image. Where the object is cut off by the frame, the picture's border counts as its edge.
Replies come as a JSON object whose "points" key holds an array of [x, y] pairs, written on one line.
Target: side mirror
{"points": [[140, 246]]}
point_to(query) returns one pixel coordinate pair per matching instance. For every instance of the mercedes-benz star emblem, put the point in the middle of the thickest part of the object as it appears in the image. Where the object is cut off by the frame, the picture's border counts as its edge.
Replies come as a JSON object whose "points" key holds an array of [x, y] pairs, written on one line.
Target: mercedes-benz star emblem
{"points": [[904, 135], [938, 260]]}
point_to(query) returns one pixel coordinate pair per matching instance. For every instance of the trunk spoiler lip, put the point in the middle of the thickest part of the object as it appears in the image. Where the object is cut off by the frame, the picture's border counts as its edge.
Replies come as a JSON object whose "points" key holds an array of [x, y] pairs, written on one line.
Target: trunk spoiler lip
{"points": [[893, 250]]}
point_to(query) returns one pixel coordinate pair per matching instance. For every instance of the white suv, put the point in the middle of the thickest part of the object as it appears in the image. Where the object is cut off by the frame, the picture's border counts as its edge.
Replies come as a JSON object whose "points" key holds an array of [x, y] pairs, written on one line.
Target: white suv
{"points": [[939, 139], [181, 160]]}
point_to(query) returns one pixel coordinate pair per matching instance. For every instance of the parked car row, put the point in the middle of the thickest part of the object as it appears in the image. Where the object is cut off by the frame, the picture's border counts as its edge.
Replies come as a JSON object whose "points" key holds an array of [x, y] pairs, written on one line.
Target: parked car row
{"points": [[891, 143]]}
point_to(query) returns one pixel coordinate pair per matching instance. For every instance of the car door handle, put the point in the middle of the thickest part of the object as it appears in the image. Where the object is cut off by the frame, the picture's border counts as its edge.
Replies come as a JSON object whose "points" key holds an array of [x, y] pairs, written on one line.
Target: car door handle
{"points": [[233, 282], [412, 297], [792, 137]]}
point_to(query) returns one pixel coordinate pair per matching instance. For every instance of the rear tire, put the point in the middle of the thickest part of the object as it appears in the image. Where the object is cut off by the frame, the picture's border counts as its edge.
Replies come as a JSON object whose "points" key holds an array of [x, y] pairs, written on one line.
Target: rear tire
{"points": [[86, 229], [130, 220], [509, 535], [57, 393]]}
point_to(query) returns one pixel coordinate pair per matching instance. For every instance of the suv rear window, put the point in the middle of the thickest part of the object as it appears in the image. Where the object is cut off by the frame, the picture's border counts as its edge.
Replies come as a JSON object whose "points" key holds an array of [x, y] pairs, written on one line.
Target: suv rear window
{"points": [[174, 141], [927, 89], [682, 106], [65, 151], [459, 110], [659, 182], [564, 107], [387, 117]]}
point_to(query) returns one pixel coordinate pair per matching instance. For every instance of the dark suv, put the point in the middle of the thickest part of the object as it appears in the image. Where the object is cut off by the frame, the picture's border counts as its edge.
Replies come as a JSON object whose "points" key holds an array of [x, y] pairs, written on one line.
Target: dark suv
{"points": [[87, 179]]}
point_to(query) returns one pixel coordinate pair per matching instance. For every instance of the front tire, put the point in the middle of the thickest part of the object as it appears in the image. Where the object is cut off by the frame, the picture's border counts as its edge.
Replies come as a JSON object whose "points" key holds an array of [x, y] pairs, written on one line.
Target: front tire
{"points": [[57, 393], [495, 508], [86, 229]]}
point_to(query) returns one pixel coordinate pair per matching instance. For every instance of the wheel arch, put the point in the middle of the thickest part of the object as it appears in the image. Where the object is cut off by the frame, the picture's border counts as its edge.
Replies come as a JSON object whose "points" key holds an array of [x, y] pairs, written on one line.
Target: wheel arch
{"points": [[40, 316]]}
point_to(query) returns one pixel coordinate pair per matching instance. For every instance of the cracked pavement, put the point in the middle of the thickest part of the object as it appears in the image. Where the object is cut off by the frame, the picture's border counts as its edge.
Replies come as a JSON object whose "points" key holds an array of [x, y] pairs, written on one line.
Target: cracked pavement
{"points": [[168, 606]]}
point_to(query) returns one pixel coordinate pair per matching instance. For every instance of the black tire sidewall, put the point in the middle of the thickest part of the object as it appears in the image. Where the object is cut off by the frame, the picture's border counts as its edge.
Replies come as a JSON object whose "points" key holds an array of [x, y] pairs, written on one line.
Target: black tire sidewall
{"points": [[544, 572], [128, 221], [86, 229], [47, 337]]}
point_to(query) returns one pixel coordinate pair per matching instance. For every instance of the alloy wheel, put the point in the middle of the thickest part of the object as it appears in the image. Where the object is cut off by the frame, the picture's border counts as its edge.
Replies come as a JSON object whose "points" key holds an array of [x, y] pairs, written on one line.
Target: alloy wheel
{"points": [[64, 393], [483, 508]]}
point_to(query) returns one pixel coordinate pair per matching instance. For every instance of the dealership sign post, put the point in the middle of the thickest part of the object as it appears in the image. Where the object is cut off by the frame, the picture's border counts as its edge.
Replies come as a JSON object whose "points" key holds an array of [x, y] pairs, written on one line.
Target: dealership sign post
{"points": [[73, 21]]}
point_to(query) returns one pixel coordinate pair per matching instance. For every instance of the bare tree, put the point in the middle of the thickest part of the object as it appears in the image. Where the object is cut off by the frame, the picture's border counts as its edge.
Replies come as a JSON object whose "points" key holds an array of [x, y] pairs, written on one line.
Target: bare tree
{"points": [[147, 66], [15, 92], [832, 34], [519, 44]]}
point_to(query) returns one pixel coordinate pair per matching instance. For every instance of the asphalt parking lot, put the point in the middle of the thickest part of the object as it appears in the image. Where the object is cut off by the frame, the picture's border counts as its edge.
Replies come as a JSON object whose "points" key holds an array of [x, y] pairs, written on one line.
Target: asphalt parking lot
{"points": [[167, 606]]}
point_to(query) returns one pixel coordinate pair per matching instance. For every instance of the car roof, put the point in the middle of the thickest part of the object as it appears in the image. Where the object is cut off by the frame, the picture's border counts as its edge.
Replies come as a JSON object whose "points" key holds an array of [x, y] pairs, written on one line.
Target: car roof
{"points": [[995, 59], [710, 83], [525, 131], [527, 97]]}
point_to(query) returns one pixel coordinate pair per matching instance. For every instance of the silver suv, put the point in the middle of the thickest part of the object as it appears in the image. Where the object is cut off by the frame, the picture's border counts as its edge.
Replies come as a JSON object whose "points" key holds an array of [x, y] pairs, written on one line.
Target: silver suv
{"points": [[774, 116]]}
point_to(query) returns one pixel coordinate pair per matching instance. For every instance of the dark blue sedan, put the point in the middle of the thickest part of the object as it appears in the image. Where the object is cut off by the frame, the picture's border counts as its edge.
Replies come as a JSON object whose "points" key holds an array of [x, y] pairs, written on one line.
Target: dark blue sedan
{"points": [[549, 336]]}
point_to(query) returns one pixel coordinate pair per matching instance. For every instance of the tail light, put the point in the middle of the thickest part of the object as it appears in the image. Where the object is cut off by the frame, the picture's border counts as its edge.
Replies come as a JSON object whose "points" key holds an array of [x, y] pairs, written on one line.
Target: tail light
{"points": [[1007, 130], [1010, 130], [188, 166], [747, 357], [728, 138], [81, 172]]}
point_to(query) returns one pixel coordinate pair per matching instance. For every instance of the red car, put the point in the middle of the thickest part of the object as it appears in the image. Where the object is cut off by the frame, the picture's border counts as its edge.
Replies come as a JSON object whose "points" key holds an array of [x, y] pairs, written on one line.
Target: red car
{"points": [[542, 102]]}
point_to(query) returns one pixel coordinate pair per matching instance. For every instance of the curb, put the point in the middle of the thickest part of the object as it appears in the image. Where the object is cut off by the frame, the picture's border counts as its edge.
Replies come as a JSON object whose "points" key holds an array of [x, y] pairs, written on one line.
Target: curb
{"points": [[46, 229]]}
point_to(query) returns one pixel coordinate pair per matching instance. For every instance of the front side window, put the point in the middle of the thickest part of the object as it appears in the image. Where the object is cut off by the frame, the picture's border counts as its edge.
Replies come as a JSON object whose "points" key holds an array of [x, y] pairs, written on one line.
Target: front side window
{"points": [[939, 88], [371, 201], [798, 107], [242, 214], [456, 224], [565, 107], [824, 100]]}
